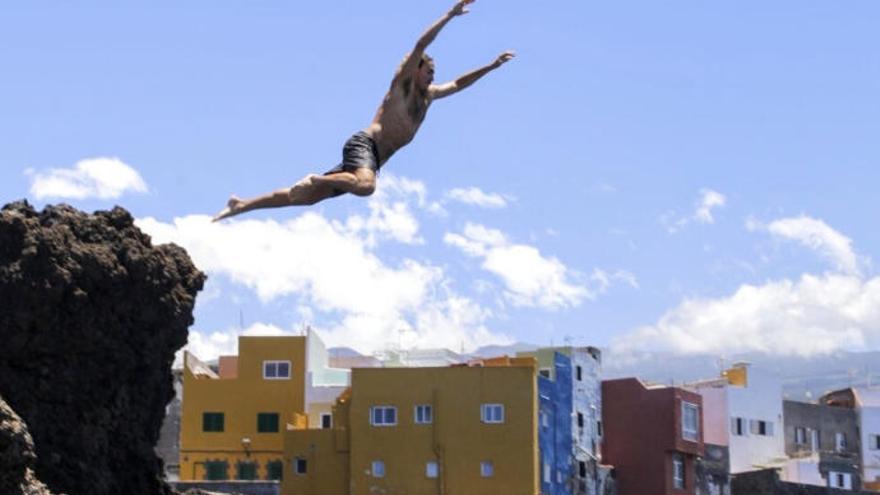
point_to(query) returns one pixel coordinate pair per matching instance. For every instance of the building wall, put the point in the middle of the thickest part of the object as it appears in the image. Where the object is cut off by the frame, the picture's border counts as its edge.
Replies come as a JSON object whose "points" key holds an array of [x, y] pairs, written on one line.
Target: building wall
{"points": [[240, 399], [759, 399], [642, 433], [456, 439], [555, 433], [327, 468], [715, 412], [767, 482], [827, 421], [869, 419]]}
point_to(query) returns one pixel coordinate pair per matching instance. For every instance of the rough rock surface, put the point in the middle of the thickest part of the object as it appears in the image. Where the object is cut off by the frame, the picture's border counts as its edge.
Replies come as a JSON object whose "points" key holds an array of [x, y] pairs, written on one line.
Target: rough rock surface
{"points": [[17, 456], [91, 315]]}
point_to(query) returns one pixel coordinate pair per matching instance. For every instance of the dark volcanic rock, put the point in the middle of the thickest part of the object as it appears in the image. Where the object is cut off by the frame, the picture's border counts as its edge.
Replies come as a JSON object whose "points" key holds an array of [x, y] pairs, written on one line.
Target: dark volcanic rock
{"points": [[17, 456], [91, 315]]}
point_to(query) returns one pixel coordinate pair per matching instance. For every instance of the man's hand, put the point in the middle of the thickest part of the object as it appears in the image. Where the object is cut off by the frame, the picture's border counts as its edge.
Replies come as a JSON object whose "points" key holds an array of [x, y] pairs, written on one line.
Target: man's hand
{"points": [[503, 58], [460, 8]]}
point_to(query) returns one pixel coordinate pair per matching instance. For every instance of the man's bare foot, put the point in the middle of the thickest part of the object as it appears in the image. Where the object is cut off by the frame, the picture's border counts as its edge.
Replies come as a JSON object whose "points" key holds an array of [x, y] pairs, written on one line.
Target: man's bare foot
{"points": [[233, 207]]}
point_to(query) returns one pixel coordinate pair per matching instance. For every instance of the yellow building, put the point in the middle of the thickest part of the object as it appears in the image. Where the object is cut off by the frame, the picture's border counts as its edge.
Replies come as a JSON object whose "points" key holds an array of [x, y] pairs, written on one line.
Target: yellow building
{"points": [[454, 430], [233, 419]]}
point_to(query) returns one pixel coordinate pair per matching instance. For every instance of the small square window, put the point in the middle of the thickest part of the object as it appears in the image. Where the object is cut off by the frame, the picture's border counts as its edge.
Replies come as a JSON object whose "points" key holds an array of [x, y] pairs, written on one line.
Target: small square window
{"points": [[432, 469], [487, 469], [216, 470], [545, 372], [423, 414], [267, 422], [274, 470], [246, 471], [326, 420], [383, 415], [378, 468], [212, 422], [300, 466], [276, 370], [492, 413]]}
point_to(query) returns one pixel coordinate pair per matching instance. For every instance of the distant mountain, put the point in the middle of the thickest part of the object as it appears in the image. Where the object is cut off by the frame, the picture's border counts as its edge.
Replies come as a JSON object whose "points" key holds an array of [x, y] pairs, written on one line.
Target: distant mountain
{"points": [[502, 350], [342, 352]]}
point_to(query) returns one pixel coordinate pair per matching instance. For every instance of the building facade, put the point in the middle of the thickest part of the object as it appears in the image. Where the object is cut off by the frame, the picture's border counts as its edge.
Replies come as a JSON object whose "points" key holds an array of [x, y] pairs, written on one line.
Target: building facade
{"points": [[462, 429], [653, 436], [866, 404]]}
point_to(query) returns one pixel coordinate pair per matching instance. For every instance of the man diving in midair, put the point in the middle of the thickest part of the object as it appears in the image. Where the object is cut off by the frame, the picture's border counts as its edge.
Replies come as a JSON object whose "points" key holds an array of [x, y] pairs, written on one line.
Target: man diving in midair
{"points": [[395, 124]]}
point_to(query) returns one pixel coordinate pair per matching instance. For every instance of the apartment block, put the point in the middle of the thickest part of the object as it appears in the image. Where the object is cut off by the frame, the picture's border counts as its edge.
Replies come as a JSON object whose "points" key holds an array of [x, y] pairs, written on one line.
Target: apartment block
{"points": [[866, 404]]}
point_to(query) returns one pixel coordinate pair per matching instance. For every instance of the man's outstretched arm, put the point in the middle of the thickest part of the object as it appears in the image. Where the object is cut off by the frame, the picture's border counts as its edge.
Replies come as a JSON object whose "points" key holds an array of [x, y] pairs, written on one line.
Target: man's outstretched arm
{"points": [[452, 87], [411, 61]]}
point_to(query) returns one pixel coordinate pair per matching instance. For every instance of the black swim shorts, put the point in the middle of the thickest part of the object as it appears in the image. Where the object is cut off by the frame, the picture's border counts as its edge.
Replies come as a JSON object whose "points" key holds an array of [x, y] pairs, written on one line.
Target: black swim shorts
{"points": [[359, 152]]}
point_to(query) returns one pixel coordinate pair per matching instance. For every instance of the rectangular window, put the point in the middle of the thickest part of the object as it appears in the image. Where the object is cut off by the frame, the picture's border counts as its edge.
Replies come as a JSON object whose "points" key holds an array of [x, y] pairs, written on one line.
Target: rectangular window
{"points": [[487, 469], [737, 426], [874, 442], [424, 414], [840, 441], [378, 469], [545, 372], [246, 471], [383, 415], [580, 420], [300, 466], [545, 420], [276, 370], [800, 435], [599, 428], [690, 421], [678, 471], [840, 480], [326, 420], [212, 421], [582, 469], [215, 470], [492, 413], [761, 427], [274, 470], [547, 469], [432, 469], [267, 422], [580, 373]]}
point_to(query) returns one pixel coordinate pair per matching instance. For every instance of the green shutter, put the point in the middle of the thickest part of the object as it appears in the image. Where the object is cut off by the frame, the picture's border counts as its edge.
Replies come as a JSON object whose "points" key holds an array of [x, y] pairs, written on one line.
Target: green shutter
{"points": [[274, 470], [267, 422], [212, 422], [247, 471], [215, 470]]}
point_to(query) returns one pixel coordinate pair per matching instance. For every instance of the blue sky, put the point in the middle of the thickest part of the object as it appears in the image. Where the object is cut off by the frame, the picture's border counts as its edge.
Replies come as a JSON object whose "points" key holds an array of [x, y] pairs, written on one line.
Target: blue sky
{"points": [[686, 176]]}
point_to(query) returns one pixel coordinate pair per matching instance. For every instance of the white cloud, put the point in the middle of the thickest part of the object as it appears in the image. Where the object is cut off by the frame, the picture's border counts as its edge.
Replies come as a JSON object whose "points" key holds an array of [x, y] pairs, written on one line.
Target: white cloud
{"points": [[816, 235], [475, 196], [530, 278], [333, 275], [391, 217], [102, 178], [813, 315], [709, 200]]}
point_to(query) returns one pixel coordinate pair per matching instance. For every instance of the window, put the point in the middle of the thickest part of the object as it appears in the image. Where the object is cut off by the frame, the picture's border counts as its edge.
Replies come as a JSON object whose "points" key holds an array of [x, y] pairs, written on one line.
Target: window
{"points": [[216, 470], [246, 471], [492, 413], [580, 420], [424, 414], [545, 420], [326, 420], [874, 442], [582, 469], [761, 427], [212, 422], [487, 469], [267, 422], [378, 469], [800, 435], [300, 466], [678, 471], [840, 441], [276, 370], [547, 468], [274, 470], [840, 480], [737, 426], [383, 416], [580, 373], [599, 428], [690, 421], [432, 469], [545, 372]]}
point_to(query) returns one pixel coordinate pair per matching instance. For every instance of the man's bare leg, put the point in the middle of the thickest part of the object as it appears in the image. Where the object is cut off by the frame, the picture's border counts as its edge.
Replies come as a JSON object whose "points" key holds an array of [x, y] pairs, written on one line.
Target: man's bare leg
{"points": [[308, 191]]}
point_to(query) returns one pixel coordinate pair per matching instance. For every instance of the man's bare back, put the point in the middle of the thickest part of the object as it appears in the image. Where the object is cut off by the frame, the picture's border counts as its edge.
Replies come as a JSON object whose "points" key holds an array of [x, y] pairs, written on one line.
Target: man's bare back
{"points": [[395, 124]]}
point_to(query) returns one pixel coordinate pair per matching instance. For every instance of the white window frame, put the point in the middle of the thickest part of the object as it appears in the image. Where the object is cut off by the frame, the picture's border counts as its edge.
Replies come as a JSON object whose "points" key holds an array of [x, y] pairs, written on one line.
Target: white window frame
{"points": [[327, 415], [800, 435], [873, 442], [678, 478], [432, 469], [266, 365], [377, 469], [427, 414], [836, 479], [840, 441], [385, 409], [738, 423], [487, 469], [687, 433], [492, 413]]}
